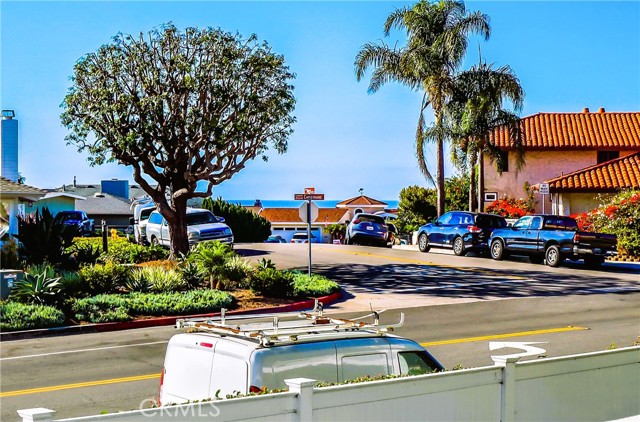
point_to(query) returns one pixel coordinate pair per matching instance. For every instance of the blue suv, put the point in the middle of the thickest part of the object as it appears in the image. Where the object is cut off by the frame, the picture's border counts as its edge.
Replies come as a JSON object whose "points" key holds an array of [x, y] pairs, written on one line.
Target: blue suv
{"points": [[461, 231]]}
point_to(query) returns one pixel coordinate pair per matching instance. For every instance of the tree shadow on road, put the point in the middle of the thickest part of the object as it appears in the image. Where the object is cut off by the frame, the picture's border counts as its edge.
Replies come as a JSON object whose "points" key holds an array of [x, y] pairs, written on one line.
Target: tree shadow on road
{"points": [[443, 281]]}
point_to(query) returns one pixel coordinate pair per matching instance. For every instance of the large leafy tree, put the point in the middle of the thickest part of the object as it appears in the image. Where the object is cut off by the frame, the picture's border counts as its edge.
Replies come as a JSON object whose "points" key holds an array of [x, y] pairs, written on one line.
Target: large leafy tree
{"points": [[180, 107], [437, 38], [478, 105]]}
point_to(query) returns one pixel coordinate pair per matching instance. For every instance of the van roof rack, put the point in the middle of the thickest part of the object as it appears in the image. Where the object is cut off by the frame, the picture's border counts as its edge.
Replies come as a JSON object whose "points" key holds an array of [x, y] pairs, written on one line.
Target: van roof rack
{"points": [[310, 326]]}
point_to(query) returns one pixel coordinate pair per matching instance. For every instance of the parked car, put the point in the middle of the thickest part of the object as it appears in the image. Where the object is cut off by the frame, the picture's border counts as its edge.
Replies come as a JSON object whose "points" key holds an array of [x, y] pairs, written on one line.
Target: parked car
{"points": [[368, 229], [217, 360], [461, 231], [301, 237], [275, 239], [201, 225], [552, 238], [77, 219], [141, 212]]}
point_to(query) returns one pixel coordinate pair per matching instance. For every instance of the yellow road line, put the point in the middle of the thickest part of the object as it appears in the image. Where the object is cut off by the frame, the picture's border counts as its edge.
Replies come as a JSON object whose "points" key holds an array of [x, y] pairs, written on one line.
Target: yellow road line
{"points": [[420, 262], [78, 385], [506, 335], [155, 376]]}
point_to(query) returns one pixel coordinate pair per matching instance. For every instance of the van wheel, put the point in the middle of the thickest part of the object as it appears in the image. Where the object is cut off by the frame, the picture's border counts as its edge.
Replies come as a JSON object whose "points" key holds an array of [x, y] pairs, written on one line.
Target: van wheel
{"points": [[423, 243], [154, 241], [458, 247], [497, 250], [553, 257]]}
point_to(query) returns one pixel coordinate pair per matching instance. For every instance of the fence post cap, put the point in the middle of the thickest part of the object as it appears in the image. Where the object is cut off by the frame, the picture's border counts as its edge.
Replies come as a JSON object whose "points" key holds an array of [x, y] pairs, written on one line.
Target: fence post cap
{"points": [[503, 360], [300, 382], [36, 414]]}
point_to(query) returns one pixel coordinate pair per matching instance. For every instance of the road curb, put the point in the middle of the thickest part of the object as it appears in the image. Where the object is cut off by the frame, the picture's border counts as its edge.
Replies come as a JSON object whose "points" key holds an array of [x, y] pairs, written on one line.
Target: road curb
{"points": [[158, 322]]}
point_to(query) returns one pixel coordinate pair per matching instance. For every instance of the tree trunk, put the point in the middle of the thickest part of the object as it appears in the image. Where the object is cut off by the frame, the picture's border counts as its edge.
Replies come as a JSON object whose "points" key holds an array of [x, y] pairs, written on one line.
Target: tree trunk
{"points": [[472, 187], [178, 229], [480, 182], [440, 177]]}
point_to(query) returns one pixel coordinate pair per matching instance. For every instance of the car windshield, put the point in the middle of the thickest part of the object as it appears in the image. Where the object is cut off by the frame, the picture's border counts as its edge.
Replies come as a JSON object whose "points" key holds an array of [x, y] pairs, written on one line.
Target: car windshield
{"points": [[370, 219], [70, 216], [302, 236], [486, 221], [197, 218], [560, 223]]}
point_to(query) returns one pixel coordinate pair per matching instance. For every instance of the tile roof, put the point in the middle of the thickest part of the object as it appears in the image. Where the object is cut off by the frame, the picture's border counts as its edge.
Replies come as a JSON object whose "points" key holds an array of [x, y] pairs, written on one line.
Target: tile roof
{"points": [[9, 187], [330, 215], [614, 175], [282, 215], [601, 130], [361, 200]]}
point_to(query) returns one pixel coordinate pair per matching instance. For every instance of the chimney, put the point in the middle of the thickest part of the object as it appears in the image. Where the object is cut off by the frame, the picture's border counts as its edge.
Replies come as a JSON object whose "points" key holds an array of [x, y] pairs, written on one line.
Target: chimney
{"points": [[586, 110], [601, 110], [9, 146], [74, 181]]}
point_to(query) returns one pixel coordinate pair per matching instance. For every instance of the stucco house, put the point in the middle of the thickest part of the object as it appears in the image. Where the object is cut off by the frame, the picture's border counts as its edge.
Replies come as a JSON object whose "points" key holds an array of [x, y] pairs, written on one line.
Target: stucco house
{"points": [[360, 204], [287, 221], [561, 148]]}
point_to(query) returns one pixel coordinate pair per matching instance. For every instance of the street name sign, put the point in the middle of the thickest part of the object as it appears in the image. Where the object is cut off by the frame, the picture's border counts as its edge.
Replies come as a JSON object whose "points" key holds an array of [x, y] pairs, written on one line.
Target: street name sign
{"points": [[308, 196]]}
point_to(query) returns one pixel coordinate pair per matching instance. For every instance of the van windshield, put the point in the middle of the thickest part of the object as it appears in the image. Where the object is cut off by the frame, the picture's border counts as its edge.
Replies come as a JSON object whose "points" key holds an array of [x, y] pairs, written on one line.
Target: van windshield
{"points": [[197, 218], [416, 363]]}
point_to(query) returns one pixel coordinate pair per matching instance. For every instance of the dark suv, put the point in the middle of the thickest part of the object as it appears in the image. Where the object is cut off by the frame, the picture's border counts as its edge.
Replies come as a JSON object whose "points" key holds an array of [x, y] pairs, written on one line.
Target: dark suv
{"points": [[461, 231], [367, 229]]}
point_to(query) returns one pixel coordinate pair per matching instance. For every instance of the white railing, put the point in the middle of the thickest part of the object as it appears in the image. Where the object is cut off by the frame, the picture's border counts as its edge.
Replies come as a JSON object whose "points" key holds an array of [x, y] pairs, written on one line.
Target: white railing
{"points": [[598, 386]]}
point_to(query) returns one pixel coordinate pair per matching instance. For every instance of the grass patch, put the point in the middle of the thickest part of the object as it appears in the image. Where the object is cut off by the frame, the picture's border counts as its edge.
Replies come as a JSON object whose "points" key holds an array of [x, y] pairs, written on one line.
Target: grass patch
{"points": [[18, 316]]}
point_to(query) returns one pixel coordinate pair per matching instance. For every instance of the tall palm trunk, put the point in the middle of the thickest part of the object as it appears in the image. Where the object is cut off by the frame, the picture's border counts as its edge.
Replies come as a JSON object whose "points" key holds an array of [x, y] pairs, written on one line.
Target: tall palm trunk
{"points": [[473, 205], [480, 182], [440, 161]]}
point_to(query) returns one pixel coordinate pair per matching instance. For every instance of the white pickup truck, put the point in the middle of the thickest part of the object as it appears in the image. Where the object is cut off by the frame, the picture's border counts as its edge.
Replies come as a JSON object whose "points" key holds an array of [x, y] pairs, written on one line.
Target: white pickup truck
{"points": [[201, 225]]}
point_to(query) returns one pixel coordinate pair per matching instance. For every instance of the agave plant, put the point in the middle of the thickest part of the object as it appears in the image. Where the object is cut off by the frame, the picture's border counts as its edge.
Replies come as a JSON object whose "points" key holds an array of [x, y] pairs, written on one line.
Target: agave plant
{"points": [[138, 282], [37, 289], [265, 264], [210, 258]]}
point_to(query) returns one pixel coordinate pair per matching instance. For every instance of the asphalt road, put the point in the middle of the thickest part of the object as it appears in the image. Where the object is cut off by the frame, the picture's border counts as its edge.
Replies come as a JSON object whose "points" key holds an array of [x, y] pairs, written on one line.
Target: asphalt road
{"points": [[451, 305]]}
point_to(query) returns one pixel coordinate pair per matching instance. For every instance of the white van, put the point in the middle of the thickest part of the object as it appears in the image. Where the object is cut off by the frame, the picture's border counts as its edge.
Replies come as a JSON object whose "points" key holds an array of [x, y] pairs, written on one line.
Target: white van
{"points": [[223, 359]]}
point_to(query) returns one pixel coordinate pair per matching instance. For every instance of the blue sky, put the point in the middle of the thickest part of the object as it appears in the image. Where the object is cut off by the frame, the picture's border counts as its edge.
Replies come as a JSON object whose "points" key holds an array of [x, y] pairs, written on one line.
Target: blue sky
{"points": [[568, 55]]}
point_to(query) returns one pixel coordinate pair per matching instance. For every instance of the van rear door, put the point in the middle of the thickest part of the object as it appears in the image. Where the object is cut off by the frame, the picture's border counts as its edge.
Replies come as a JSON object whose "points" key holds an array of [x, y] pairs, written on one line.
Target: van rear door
{"points": [[187, 368]]}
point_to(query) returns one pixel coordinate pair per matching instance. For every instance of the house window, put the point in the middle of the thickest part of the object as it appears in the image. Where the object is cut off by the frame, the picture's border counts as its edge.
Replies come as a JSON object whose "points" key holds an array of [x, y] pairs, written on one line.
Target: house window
{"points": [[503, 161], [607, 156]]}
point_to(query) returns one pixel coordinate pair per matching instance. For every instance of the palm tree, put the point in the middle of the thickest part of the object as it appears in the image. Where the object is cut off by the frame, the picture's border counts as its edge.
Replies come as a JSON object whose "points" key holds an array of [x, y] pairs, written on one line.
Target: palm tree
{"points": [[437, 38], [475, 109]]}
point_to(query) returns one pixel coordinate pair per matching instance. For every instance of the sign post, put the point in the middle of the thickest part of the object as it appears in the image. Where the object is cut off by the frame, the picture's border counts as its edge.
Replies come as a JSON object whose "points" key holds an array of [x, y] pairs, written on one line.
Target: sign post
{"points": [[544, 191], [308, 195]]}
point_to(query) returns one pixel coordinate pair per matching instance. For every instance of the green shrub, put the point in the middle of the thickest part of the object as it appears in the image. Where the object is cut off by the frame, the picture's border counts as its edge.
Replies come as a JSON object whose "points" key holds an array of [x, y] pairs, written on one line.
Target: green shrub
{"points": [[160, 280], [272, 283], [104, 278], [314, 286], [121, 251], [102, 308], [17, 316], [123, 307], [9, 257], [190, 273], [620, 215], [138, 282], [235, 271], [210, 257], [44, 239], [84, 253], [246, 225], [36, 289], [265, 263]]}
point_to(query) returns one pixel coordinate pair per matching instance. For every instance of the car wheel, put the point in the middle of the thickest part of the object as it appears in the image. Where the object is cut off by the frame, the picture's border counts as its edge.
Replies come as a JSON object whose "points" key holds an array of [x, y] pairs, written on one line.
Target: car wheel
{"points": [[423, 243], [536, 259], [154, 241], [553, 257], [458, 247], [593, 261], [497, 250]]}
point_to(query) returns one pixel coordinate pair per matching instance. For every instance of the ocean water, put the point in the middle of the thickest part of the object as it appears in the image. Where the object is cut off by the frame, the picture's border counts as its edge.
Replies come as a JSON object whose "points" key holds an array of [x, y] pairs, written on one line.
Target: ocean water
{"points": [[290, 203]]}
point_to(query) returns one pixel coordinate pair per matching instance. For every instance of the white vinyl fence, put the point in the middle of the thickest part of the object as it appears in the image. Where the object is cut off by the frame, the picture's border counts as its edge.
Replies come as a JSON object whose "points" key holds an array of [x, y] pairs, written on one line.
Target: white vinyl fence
{"points": [[598, 386]]}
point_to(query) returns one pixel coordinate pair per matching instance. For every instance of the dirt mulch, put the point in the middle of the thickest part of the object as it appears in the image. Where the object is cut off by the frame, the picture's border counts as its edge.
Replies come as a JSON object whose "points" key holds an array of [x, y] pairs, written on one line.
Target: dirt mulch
{"points": [[249, 300]]}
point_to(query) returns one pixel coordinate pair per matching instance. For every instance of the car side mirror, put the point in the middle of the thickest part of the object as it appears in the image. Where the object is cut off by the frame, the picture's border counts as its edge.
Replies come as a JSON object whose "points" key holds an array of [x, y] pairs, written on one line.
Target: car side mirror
{"points": [[131, 222], [347, 222], [221, 220], [437, 223]]}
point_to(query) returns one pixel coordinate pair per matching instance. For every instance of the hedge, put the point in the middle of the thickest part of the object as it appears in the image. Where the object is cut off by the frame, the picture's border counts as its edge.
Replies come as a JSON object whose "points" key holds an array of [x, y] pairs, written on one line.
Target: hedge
{"points": [[314, 286], [18, 316], [123, 307]]}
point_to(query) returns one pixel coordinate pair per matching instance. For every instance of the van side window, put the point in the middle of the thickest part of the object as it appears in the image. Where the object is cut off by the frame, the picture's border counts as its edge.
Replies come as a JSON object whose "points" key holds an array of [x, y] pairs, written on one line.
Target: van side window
{"points": [[364, 365], [416, 363]]}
